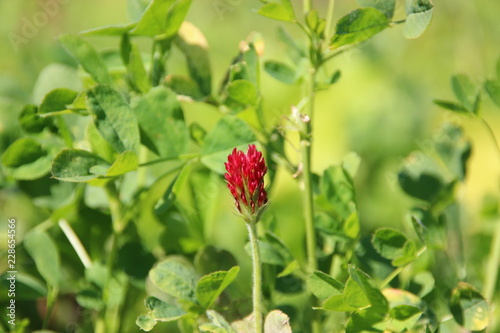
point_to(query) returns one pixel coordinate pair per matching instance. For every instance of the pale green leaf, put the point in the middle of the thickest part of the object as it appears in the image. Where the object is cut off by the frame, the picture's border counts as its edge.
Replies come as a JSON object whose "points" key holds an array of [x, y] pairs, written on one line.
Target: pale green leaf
{"points": [[418, 17], [279, 11], [210, 286], [44, 252], [75, 165]]}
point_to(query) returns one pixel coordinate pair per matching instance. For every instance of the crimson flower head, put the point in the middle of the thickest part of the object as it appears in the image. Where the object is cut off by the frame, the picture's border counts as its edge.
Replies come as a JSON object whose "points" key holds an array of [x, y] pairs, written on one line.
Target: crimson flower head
{"points": [[245, 179]]}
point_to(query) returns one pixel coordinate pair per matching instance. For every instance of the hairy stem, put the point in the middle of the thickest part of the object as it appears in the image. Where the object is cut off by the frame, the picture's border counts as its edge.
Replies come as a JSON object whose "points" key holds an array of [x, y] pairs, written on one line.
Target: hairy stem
{"points": [[329, 17], [257, 277]]}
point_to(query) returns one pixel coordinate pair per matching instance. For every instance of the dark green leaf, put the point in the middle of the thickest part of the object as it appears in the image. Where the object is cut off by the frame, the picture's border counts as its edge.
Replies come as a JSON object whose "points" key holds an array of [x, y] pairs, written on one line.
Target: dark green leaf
{"points": [[31, 122], [452, 106], [193, 44], [175, 278], [280, 71], [184, 85], [385, 6], [389, 243], [75, 165], [90, 299], [168, 138], [113, 118], [27, 286], [210, 286], [403, 317], [57, 100], [277, 322], [242, 91], [418, 17], [323, 285], [466, 92], [424, 186], [493, 90], [335, 77], [469, 308], [279, 11], [230, 132], [44, 252], [210, 259], [357, 26], [85, 54]]}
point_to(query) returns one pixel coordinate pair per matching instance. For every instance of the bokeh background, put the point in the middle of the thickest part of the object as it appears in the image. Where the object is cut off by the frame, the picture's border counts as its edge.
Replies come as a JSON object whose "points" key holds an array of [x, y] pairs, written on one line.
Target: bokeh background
{"points": [[381, 108]]}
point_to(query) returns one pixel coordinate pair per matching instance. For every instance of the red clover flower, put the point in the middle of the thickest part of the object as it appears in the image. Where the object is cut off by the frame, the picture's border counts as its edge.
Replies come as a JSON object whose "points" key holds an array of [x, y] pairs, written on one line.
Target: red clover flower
{"points": [[245, 179]]}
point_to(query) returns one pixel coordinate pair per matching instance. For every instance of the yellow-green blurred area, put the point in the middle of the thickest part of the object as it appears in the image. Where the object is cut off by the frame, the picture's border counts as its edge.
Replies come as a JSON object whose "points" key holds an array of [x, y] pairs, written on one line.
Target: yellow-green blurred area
{"points": [[381, 108]]}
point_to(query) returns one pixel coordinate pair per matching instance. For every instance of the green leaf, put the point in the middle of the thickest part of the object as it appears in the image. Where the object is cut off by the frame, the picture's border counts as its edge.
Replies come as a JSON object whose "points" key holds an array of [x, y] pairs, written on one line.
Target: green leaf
{"points": [[423, 186], [145, 322], [162, 311], [279, 11], [354, 295], [493, 90], [137, 72], [357, 26], [418, 17], [469, 308], [27, 286], [109, 30], [404, 312], [379, 305], [409, 254], [162, 18], [323, 285], [44, 252], [194, 45], [389, 243], [126, 162], [31, 122], [351, 226], [452, 106], [85, 54], [230, 132], [169, 137], [113, 118], [277, 322], [175, 278], [337, 303], [55, 76], [22, 151], [293, 50], [210, 286], [335, 77], [242, 91], [184, 85], [280, 71], [90, 299], [57, 100], [312, 19], [422, 283], [466, 92], [135, 9], [209, 259], [385, 6], [75, 165]]}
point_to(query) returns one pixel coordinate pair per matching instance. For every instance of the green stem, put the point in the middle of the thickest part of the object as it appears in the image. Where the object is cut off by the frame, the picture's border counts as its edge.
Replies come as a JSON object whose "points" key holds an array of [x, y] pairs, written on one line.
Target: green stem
{"points": [[329, 17], [492, 134], [398, 270], [306, 142], [257, 277], [493, 265], [51, 300], [306, 4]]}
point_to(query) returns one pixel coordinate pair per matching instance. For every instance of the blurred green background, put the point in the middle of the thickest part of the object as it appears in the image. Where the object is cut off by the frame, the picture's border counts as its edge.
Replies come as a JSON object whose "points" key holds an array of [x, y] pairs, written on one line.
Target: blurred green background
{"points": [[381, 108]]}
